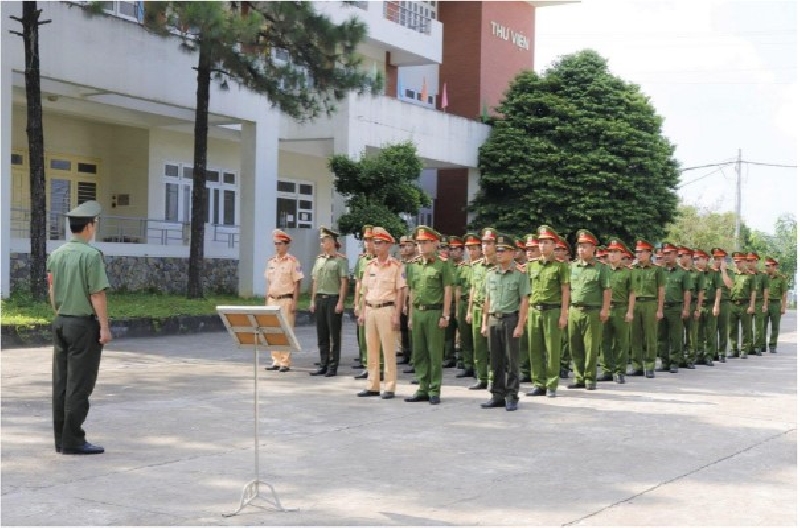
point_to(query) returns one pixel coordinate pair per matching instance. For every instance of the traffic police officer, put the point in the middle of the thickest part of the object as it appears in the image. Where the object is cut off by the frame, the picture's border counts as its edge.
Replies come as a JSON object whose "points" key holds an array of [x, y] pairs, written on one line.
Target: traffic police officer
{"points": [[504, 314], [617, 331], [77, 285], [590, 299], [548, 312], [473, 244], [477, 296], [328, 292], [283, 275], [649, 287], [776, 283], [383, 284], [761, 285], [430, 297], [743, 306]]}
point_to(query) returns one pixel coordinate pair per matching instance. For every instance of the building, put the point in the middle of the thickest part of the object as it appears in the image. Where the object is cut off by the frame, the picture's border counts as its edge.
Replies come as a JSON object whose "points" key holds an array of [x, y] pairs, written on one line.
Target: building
{"points": [[118, 126]]}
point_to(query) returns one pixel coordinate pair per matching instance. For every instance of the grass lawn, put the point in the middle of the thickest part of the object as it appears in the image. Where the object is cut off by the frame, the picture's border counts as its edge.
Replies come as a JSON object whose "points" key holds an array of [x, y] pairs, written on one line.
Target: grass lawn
{"points": [[20, 309]]}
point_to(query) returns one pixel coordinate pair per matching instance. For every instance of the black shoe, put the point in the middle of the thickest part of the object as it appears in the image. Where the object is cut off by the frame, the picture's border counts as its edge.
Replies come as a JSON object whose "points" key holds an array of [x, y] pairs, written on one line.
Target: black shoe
{"points": [[417, 398], [683, 364], [359, 366], [85, 449], [722, 359], [743, 356], [363, 375], [331, 373], [537, 391], [576, 386], [284, 369], [773, 350], [591, 386], [525, 378], [434, 400], [319, 372], [621, 379], [606, 377], [478, 386], [649, 374], [468, 373], [673, 369], [387, 395], [491, 404], [409, 370], [512, 405], [404, 361], [273, 367], [563, 373], [368, 393], [636, 373], [58, 448], [449, 364]]}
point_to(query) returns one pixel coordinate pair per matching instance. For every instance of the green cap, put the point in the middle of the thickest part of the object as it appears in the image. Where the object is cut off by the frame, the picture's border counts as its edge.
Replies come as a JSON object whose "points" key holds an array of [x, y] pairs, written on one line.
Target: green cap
{"points": [[90, 209], [488, 233], [325, 232], [503, 240], [422, 233]]}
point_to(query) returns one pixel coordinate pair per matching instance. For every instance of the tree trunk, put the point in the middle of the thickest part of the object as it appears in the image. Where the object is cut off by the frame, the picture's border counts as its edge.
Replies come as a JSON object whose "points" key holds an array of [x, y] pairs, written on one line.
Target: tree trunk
{"points": [[194, 289], [33, 93]]}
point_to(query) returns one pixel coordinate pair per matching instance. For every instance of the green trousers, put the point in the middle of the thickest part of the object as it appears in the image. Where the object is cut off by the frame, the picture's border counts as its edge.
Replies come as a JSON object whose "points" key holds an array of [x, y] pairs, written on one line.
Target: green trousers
{"points": [[466, 360], [585, 335], [428, 348], [740, 319], [644, 335], [774, 319], [616, 341], [76, 361], [565, 349], [723, 328], [480, 346], [670, 336], [450, 336], [706, 334], [759, 328], [691, 326], [524, 354], [544, 346]]}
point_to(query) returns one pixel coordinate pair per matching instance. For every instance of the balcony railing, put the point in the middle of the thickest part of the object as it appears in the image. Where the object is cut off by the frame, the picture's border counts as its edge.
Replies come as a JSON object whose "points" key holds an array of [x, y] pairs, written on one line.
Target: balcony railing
{"points": [[126, 229], [404, 16]]}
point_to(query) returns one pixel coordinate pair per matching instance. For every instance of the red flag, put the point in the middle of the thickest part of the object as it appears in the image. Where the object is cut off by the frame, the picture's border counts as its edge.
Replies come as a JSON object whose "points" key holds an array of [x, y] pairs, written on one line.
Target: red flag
{"points": [[444, 97], [424, 96]]}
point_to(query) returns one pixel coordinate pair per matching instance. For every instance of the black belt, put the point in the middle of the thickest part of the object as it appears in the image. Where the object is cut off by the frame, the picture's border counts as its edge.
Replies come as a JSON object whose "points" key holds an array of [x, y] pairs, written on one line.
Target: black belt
{"points": [[327, 295], [503, 315], [584, 307], [775, 300], [644, 299], [621, 305], [545, 306], [465, 297], [672, 304], [78, 316], [381, 305], [423, 307], [739, 302], [279, 297]]}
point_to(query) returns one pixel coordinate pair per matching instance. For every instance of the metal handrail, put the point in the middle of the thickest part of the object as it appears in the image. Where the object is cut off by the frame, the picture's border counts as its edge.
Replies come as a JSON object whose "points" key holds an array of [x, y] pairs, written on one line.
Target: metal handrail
{"points": [[404, 16]]}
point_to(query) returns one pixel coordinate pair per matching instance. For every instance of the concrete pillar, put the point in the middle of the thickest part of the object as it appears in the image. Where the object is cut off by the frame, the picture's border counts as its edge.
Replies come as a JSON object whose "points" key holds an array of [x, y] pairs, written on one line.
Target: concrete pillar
{"points": [[473, 185], [259, 181], [6, 110]]}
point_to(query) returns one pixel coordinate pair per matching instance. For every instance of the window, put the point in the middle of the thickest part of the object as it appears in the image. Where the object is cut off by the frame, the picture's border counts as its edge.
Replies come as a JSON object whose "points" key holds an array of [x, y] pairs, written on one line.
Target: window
{"points": [[17, 159], [129, 10], [295, 206], [222, 194]]}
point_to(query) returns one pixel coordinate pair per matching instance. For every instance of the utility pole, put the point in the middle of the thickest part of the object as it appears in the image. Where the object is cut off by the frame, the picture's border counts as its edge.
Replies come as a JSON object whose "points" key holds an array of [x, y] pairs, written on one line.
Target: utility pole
{"points": [[738, 198]]}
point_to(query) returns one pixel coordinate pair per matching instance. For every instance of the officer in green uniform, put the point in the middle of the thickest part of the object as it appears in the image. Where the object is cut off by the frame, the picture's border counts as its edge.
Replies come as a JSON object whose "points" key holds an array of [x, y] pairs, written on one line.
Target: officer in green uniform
{"points": [[407, 253], [761, 285], [361, 265], [562, 255], [455, 257], [472, 241], [548, 313], [328, 292], [677, 298], [590, 301], [521, 261], [431, 292], [690, 351], [477, 296], [724, 317], [776, 282], [648, 285], [743, 306], [711, 282], [617, 331], [77, 284], [503, 318]]}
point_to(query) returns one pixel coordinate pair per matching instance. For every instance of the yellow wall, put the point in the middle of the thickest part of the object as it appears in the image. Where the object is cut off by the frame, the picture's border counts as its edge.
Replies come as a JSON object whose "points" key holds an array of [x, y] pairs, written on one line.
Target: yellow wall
{"points": [[314, 169]]}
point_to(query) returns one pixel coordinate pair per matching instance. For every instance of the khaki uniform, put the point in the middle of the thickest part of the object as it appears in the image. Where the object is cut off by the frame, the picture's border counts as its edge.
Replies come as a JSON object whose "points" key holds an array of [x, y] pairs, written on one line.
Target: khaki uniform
{"points": [[282, 274]]}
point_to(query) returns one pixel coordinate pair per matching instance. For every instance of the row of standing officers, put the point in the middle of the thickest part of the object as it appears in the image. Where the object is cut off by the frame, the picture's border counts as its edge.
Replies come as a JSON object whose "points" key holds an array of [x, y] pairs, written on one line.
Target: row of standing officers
{"points": [[517, 300]]}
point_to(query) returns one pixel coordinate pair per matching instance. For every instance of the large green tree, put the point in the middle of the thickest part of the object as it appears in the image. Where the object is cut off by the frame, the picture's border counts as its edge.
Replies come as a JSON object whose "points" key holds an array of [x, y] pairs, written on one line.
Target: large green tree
{"points": [[379, 188], [702, 228], [318, 66], [577, 147]]}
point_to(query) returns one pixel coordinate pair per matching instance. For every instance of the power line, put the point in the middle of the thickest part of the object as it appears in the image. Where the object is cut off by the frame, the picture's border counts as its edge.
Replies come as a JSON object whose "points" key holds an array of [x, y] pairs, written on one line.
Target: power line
{"points": [[770, 164], [718, 169], [706, 166]]}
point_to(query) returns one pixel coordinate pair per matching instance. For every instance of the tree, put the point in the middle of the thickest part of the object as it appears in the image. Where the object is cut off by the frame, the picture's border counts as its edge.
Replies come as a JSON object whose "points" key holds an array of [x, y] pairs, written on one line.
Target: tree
{"points": [[577, 147], [703, 228], [782, 245], [379, 188], [235, 40], [38, 191]]}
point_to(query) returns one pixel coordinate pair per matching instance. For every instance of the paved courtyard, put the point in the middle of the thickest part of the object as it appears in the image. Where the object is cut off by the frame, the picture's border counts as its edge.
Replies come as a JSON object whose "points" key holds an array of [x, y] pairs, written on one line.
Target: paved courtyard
{"points": [[716, 445]]}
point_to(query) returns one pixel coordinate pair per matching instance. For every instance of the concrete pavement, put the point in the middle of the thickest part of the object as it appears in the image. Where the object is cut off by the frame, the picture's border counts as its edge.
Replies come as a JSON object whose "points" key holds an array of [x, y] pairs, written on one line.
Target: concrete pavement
{"points": [[716, 445]]}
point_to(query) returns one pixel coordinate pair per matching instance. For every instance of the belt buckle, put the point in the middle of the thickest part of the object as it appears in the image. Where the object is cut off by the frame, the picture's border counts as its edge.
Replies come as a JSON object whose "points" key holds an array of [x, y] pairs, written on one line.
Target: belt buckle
{"points": [[421, 307], [498, 315]]}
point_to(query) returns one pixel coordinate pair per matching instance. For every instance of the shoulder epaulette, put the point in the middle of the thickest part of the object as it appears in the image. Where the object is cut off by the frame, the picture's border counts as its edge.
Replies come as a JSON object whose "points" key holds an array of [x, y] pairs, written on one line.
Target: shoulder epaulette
{"points": [[340, 255], [417, 259]]}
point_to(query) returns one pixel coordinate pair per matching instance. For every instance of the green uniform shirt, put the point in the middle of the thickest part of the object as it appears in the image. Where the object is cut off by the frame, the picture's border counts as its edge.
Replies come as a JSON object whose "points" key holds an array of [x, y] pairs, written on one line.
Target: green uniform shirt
{"points": [[695, 279], [760, 283], [678, 281], [588, 280], [463, 274], [621, 285], [361, 265], [711, 280], [478, 280], [742, 286], [777, 286], [428, 280], [78, 271], [726, 292], [647, 280], [506, 289], [328, 272], [546, 279]]}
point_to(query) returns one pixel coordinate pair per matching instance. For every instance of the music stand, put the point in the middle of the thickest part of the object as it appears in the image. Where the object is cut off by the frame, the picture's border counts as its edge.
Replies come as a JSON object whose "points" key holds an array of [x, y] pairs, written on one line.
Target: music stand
{"points": [[251, 326]]}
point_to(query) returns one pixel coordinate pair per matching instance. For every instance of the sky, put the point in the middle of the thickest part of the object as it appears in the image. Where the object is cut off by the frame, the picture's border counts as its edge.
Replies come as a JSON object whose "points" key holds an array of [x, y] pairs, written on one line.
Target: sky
{"points": [[722, 74]]}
